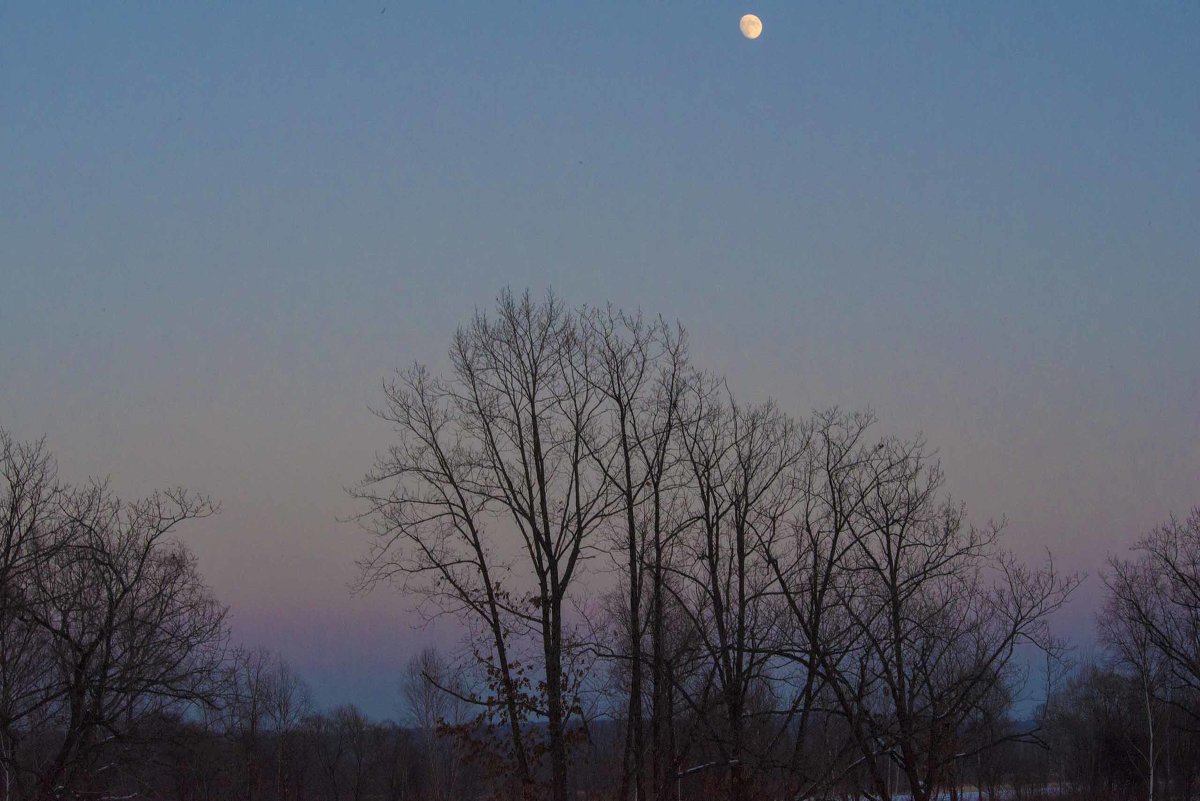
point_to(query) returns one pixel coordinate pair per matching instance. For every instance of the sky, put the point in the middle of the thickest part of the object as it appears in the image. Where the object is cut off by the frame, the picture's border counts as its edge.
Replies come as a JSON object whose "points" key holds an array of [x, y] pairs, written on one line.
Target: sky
{"points": [[221, 226]]}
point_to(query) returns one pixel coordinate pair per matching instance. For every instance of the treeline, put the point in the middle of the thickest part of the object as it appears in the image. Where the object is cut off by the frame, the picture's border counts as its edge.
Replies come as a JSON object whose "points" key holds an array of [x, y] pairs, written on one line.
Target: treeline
{"points": [[666, 591], [256, 737]]}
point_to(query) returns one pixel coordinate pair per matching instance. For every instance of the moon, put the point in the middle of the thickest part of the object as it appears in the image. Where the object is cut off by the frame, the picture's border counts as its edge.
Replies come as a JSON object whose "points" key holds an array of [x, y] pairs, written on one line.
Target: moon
{"points": [[751, 26]]}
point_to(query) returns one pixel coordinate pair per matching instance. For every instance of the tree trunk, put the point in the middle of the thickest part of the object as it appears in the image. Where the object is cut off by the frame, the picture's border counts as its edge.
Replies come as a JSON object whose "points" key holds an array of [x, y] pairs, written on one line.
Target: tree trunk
{"points": [[555, 728], [635, 625]]}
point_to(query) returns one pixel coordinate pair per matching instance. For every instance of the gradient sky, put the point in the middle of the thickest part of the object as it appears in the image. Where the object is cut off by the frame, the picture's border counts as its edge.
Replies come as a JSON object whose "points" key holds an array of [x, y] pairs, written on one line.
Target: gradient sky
{"points": [[220, 227]]}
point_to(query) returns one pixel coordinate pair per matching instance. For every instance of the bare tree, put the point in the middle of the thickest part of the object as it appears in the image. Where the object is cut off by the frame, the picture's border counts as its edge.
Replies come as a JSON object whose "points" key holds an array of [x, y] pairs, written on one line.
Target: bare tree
{"points": [[433, 701], [808, 556], [1130, 643], [245, 704], [288, 703], [133, 629], [105, 621], [1157, 598], [344, 742], [504, 443], [741, 463], [32, 531], [640, 373], [937, 615], [432, 534]]}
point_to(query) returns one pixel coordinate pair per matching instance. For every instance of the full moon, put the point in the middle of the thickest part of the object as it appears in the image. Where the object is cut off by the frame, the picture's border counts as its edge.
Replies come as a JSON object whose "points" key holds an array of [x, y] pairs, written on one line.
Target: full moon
{"points": [[751, 26]]}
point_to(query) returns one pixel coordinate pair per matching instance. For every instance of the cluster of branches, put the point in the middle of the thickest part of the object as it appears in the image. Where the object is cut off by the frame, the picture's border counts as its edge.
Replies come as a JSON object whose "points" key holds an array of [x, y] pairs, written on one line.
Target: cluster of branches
{"points": [[796, 599], [104, 621]]}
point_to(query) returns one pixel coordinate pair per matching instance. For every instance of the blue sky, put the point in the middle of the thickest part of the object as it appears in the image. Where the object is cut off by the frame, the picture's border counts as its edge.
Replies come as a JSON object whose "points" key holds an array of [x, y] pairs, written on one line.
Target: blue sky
{"points": [[221, 226]]}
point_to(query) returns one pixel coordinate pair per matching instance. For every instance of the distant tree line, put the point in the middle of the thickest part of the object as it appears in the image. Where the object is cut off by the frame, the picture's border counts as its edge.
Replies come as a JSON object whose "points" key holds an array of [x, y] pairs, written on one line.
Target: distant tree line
{"points": [[666, 592]]}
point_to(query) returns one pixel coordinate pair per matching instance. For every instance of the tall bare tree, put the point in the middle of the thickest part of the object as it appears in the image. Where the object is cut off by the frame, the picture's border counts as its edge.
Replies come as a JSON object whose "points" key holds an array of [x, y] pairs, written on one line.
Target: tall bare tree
{"points": [[640, 374], [504, 444], [741, 463], [808, 556]]}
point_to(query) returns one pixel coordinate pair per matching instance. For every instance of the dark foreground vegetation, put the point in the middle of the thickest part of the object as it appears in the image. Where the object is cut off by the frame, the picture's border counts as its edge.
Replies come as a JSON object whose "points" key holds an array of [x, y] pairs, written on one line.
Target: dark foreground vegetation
{"points": [[667, 592]]}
